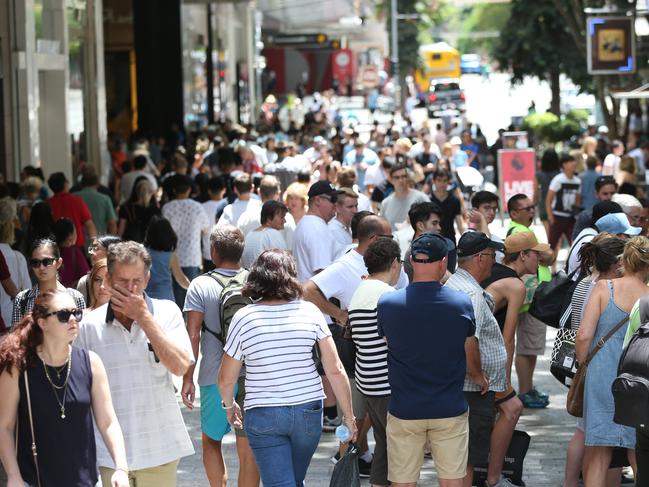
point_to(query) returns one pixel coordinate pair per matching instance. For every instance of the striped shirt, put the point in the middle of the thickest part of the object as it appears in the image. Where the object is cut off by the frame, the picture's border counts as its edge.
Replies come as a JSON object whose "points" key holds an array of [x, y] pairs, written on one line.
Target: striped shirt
{"points": [[276, 343], [371, 371]]}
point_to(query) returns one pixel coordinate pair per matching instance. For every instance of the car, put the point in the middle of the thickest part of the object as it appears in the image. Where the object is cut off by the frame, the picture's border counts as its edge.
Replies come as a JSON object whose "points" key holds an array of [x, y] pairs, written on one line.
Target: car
{"points": [[445, 95], [471, 64]]}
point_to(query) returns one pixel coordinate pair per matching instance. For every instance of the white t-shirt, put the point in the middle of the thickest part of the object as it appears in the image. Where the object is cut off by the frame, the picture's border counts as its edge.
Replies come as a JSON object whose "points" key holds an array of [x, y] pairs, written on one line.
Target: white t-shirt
{"points": [[574, 262], [341, 279], [566, 190], [364, 203], [210, 208], [258, 241], [250, 219], [233, 211], [375, 176], [611, 165], [313, 246], [19, 275], [276, 342], [189, 221], [341, 235]]}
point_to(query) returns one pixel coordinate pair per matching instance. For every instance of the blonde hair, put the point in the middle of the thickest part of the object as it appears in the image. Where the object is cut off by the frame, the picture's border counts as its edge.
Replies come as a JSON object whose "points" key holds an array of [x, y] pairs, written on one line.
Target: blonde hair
{"points": [[627, 164], [7, 217], [636, 255], [297, 190]]}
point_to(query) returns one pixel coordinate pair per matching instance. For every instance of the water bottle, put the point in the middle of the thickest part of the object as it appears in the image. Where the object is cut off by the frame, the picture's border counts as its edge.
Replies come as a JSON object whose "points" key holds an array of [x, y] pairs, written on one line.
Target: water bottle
{"points": [[343, 434]]}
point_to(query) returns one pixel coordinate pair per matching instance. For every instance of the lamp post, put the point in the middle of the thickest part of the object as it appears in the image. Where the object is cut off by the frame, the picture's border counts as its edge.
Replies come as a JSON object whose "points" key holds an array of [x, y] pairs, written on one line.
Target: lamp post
{"points": [[394, 47]]}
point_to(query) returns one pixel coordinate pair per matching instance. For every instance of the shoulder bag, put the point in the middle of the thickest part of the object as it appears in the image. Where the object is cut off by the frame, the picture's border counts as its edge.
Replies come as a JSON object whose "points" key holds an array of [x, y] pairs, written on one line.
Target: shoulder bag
{"points": [[575, 401], [31, 427]]}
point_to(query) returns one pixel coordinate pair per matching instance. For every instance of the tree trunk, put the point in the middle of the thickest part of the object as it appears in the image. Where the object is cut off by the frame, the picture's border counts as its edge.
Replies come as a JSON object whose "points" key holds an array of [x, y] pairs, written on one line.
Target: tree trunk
{"points": [[555, 88], [610, 116]]}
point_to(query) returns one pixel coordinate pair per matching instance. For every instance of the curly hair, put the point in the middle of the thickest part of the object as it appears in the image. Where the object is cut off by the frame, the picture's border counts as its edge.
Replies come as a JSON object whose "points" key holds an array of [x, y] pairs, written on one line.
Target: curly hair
{"points": [[273, 276], [18, 348]]}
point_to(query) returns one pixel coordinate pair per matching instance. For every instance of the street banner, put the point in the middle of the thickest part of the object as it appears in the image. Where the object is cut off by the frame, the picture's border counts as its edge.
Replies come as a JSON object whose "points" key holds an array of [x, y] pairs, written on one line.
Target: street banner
{"points": [[517, 169]]}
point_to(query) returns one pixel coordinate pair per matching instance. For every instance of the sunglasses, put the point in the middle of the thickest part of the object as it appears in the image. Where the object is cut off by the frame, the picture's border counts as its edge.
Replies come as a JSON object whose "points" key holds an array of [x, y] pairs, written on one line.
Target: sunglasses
{"points": [[526, 208], [46, 262], [63, 315]]}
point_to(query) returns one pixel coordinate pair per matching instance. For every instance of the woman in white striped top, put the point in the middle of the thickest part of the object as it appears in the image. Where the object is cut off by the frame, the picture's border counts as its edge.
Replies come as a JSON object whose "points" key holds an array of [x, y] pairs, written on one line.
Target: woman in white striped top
{"points": [[283, 400]]}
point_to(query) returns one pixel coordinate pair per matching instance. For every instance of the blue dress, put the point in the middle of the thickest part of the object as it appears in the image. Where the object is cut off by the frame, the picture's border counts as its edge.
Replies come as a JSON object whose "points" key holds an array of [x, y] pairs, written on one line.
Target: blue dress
{"points": [[160, 284], [598, 399]]}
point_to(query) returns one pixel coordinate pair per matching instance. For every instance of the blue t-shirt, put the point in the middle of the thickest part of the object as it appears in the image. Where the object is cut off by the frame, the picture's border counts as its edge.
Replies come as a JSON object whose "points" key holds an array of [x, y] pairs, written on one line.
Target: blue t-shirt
{"points": [[588, 195], [426, 326]]}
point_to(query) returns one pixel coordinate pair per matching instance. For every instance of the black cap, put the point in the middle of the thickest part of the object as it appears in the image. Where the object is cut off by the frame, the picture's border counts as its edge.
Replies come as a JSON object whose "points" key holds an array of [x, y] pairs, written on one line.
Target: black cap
{"points": [[433, 245], [604, 208], [321, 188], [473, 242]]}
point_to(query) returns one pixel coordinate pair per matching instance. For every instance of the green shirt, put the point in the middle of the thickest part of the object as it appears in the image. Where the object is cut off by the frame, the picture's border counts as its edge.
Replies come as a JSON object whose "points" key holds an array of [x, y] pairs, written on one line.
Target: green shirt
{"points": [[100, 206], [531, 282], [634, 323]]}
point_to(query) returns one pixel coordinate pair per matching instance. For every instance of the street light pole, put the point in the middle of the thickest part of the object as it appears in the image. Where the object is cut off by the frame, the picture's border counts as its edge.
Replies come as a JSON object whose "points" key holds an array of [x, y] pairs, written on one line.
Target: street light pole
{"points": [[394, 52]]}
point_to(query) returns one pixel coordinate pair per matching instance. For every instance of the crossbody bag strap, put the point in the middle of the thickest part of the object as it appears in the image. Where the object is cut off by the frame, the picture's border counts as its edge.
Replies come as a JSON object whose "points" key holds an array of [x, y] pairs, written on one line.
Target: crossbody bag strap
{"points": [[31, 427], [600, 343]]}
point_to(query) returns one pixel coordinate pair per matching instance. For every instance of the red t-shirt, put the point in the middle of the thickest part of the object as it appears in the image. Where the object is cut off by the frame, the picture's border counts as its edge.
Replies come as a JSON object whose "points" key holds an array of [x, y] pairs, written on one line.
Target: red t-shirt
{"points": [[66, 205]]}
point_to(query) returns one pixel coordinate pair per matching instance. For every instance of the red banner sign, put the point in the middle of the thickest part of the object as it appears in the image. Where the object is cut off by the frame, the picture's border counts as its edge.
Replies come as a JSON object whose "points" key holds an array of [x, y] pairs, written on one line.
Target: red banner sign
{"points": [[517, 169]]}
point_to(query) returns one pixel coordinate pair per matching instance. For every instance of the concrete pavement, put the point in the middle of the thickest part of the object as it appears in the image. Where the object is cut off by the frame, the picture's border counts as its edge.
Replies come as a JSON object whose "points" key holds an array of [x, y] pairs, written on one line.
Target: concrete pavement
{"points": [[550, 429]]}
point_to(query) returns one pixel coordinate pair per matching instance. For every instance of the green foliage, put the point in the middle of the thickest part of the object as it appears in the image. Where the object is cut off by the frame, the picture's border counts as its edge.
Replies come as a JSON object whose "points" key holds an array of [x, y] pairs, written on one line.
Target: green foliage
{"points": [[578, 115], [536, 41], [547, 127], [484, 17]]}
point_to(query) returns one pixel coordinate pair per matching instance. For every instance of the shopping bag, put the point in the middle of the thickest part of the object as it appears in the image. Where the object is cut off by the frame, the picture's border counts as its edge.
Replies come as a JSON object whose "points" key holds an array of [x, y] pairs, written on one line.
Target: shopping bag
{"points": [[513, 463], [345, 472]]}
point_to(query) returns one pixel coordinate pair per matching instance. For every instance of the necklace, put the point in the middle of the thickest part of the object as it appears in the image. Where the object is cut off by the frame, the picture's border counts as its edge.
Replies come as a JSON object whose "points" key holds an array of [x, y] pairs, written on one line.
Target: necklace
{"points": [[55, 387]]}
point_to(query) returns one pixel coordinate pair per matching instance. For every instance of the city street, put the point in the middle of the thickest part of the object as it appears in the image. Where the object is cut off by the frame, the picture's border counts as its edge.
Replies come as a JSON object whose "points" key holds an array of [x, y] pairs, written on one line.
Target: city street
{"points": [[550, 429]]}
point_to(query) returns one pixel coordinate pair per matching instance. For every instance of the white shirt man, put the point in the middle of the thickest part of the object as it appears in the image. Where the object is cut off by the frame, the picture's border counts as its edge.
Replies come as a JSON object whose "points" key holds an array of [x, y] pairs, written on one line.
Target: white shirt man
{"points": [[268, 235], [142, 342], [313, 246], [340, 225]]}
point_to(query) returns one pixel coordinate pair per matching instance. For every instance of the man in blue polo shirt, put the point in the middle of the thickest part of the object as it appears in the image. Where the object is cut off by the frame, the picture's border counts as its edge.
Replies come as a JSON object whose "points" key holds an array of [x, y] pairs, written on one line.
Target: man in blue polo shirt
{"points": [[426, 327]]}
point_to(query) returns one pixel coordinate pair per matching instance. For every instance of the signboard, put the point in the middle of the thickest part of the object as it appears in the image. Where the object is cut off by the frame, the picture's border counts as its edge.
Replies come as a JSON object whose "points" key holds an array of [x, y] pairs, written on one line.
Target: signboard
{"points": [[303, 41], [515, 140], [517, 169], [342, 65], [610, 43]]}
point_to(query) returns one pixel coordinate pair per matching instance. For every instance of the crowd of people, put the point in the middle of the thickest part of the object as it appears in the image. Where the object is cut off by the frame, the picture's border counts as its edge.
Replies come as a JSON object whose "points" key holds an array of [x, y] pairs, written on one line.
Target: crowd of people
{"points": [[318, 278]]}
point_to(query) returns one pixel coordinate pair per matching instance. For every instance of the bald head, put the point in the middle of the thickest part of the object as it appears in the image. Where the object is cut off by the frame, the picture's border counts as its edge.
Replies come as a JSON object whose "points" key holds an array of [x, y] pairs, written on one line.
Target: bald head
{"points": [[372, 225]]}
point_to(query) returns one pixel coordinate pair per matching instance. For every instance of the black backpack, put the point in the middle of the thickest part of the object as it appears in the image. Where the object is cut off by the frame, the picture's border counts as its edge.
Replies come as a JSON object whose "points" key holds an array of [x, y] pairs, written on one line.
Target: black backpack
{"points": [[552, 299], [631, 386]]}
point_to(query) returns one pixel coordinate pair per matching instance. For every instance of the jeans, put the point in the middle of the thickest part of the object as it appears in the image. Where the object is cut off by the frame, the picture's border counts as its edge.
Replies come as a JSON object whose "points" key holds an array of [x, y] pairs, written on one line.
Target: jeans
{"points": [[283, 440], [179, 292], [642, 457]]}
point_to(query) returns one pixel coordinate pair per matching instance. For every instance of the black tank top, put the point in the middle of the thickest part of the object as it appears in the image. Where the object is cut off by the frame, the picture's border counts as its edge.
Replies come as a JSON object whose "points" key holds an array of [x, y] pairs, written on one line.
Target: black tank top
{"points": [[66, 447], [498, 272]]}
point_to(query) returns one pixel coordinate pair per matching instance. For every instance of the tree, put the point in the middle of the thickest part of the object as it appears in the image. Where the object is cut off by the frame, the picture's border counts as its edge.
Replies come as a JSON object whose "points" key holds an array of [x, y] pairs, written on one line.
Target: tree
{"points": [[536, 41], [483, 17], [572, 12]]}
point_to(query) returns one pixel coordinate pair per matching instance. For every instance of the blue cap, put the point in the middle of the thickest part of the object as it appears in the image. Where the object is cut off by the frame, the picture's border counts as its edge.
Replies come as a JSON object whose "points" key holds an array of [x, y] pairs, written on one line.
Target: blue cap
{"points": [[433, 245], [617, 223]]}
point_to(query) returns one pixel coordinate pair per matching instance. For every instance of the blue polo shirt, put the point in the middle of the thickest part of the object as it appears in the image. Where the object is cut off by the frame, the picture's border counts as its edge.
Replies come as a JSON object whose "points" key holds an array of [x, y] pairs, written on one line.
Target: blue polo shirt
{"points": [[426, 326]]}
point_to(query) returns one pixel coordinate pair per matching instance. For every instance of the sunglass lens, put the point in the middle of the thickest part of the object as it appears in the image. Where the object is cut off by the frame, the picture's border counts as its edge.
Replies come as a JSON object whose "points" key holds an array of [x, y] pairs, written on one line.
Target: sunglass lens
{"points": [[64, 315]]}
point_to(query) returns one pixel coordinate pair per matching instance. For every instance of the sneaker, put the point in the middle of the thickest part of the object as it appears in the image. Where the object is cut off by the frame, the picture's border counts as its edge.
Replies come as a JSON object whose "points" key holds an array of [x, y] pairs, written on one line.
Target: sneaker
{"points": [[335, 458], [329, 425], [503, 482], [531, 401], [541, 395], [364, 468]]}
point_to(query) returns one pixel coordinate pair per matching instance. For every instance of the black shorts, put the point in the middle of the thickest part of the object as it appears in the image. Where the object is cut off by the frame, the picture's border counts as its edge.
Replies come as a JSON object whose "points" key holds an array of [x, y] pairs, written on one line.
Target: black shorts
{"points": [[482, 414]]}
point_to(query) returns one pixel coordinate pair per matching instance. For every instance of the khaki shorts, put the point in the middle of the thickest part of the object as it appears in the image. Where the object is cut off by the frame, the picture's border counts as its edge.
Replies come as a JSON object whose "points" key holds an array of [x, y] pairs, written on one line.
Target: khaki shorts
{"points": [[449, 445], [530, 335], [160, 476]]}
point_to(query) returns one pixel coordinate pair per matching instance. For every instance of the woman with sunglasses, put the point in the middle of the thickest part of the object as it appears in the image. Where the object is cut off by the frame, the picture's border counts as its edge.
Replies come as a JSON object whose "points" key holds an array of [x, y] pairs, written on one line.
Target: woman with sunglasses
{"points": [[97, 251], [51, 390], [44, 261]]}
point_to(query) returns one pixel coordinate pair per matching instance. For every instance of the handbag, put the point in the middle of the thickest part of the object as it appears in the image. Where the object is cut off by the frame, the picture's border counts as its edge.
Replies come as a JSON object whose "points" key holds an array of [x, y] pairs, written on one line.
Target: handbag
{"points": [[346, 472], [551, 299], [563, 362], [512, 464], [575, 400]]}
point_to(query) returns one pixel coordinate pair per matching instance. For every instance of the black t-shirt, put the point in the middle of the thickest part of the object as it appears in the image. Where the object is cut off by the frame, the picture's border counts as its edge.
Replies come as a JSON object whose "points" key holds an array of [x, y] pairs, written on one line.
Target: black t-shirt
{"points": [[450, 209], [382, 191], [498, 272]]}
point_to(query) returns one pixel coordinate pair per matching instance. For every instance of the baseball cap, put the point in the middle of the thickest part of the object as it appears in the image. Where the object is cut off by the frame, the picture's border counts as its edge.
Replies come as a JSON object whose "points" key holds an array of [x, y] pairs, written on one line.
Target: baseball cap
{"points": [[433, 245], [617, 223], [318, 139], [473, 242], [320, 188], [604, 208], [517, 242]]}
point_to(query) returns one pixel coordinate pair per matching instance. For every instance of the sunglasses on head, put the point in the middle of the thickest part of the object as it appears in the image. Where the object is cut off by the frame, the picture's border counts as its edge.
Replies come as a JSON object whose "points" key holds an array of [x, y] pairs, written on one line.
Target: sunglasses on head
{"points": [[63, 315], [46, 262]]}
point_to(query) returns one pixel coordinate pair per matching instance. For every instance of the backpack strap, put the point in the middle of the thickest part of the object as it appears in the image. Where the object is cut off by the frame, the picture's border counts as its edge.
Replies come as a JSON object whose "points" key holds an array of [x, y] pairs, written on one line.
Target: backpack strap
{"points": [[223, 280]]}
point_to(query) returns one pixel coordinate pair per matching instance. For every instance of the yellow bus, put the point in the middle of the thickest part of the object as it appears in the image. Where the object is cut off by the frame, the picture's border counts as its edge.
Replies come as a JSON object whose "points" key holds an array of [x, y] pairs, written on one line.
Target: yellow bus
{"points": [[438, 60]]}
